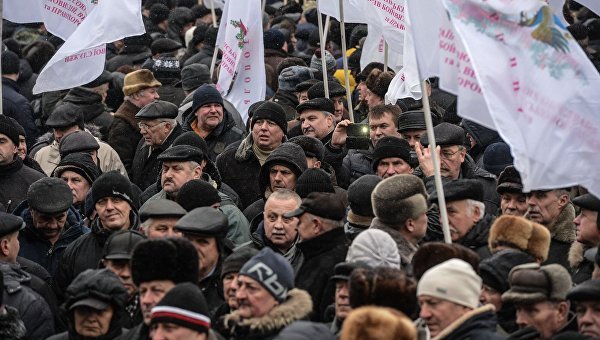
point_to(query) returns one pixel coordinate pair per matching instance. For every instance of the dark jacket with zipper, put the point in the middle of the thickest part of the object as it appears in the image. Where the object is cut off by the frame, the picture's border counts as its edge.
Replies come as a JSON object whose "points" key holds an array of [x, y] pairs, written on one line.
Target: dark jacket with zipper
{"points": [[15, 179], [124, 133]]}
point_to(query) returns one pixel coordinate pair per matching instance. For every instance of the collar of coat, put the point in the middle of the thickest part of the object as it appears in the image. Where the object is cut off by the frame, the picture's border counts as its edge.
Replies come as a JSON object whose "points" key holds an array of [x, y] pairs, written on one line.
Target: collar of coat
{"points": [[127, 112], [322, 243], [562, 229], [460, 321], [405, 248], [297, 307]]}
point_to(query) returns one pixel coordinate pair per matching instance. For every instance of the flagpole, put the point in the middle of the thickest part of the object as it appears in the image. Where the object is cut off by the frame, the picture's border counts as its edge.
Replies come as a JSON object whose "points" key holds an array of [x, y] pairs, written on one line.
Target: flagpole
{"points": [[327, 19], [214, 15], [322, 43], [385, 56], [436, 165], [345, 62]]}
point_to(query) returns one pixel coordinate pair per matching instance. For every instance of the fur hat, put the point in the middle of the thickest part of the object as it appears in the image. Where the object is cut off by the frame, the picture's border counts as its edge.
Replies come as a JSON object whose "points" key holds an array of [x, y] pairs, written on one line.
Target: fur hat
{"points": [[383, 286], [378, 82], [173, 259], [434, 253], [521, 234], [398, 198], [380, 323], [139, 80], [453, 280], [509, 181], [530, 283]]}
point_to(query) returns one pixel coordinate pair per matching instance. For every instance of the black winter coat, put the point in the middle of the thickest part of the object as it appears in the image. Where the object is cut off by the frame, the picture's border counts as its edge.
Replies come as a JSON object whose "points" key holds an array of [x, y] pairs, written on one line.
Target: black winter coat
{"points": [[477, 238], [145, 168], [204, 56], [478, 324], [16, 106], [124, 133], [321, 254], [33, 309], [15, 179], [37, 248], [94, 110]]}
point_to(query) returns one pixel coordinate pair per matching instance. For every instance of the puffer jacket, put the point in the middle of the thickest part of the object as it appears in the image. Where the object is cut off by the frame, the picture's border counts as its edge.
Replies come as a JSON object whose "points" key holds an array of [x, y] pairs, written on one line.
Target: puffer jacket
{"points": [[37, 248]]}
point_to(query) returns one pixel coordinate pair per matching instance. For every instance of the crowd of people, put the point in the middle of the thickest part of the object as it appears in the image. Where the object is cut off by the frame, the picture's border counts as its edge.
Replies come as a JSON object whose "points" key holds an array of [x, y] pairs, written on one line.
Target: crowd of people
{"points": [[143, 206]]}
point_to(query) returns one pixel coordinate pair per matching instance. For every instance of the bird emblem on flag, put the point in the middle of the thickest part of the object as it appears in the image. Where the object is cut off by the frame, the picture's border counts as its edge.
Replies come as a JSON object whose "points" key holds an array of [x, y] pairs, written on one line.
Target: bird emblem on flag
{"points": [[241, 36], [547, 29]]}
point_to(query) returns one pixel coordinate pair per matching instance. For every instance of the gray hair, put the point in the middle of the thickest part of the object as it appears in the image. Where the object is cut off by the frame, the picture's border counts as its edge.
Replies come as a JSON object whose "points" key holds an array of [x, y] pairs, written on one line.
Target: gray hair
{"points": [[475, 204]]}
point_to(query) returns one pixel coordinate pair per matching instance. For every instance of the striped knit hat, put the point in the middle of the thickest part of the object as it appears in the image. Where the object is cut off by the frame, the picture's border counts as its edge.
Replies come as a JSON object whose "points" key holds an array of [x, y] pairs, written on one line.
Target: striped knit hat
{"points": [[184, 305]]}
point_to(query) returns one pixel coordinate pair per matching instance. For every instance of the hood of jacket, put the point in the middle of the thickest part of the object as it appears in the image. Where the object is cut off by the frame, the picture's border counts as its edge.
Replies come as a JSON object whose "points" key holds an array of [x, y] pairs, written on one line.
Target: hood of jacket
{"points": [[225, 125], [287, 154], [14, 277], [87, 99], [469, 169], [482, 135], [297, 307]]}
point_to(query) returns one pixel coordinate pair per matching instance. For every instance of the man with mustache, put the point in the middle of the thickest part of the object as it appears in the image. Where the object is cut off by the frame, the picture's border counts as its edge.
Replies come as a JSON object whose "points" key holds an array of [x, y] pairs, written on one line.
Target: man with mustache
{"points": [[52, 223], [317, 119]]}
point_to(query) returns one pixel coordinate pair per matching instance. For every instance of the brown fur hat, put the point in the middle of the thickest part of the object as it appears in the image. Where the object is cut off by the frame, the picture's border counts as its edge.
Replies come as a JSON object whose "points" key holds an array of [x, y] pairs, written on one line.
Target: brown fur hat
{"points": [[379, 323], [434, 253], [383, 286], [139, 80], [398, 198], [519, 233], [378, 82]]}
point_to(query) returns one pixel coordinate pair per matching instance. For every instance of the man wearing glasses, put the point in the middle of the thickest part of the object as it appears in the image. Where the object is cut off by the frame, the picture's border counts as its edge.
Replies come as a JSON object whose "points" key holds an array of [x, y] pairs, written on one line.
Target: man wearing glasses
{"points": [[159, 129]]}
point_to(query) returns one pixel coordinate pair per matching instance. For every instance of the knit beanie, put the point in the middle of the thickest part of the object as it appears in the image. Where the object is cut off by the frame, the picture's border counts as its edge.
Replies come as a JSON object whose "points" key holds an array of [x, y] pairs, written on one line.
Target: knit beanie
{"points": [[174, 259], [112, 184], [292, 76], [359, 195], [8, 128], [272, 271], [312, 147], [206, 94], [398, 198], [184, 305], [81, 164], [10, 62], [138, 80], [18, 126], [391, 147], [313, 180], [234, 262], [273, 39], [271, 111], [287, 154], [197, 193], [376, 248], [494, 270], [454, 281], [316, 62], [497, 157]]}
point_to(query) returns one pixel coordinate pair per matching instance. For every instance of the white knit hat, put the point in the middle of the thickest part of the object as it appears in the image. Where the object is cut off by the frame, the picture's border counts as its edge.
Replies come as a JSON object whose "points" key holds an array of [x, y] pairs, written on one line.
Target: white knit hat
{"points": [[375, 248], [454, 281]]}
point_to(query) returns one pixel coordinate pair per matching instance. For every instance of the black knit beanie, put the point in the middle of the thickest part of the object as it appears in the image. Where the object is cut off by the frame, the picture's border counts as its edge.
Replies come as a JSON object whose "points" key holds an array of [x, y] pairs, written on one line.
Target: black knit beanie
{"points": [[197, 193], [10, 62], [234, 262], [391, 147], [184, 305], [273, 112], [313, 180], [359, 195], [174, 259], [494, 270], [8, 128], [112, 184], [206, 94]]}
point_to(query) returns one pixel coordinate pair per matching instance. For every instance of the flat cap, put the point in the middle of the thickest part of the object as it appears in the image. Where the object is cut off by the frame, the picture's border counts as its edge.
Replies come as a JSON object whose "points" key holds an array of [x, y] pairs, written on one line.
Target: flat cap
{"points": [[509, 181], [158, 109], [120, 245], [193, 76], [587, 290], [77, 141], [411, 120], [587, 201], [65, 115], [312, 147], [321, 204], [446, 134], [164, 45], [182, 153], [10, 223], [204, 221], [305, 85], [320, 104], [161, 208], [49, 195], [318, 90], [343, 270], [460, 189], [103, 78]]}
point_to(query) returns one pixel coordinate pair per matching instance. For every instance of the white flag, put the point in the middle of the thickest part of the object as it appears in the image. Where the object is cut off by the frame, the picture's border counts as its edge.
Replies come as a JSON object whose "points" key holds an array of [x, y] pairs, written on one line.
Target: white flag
{"points": [[60, 17], [216, 3], [444, 56], [332, 8], [81, 58], [242, 78], [541, 89], [374, 48], [388, 16], [592, 5]]}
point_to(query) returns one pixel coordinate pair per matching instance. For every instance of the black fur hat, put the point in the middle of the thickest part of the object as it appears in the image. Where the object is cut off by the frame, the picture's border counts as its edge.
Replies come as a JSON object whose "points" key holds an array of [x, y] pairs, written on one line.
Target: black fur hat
{"points": [[173, 259]]}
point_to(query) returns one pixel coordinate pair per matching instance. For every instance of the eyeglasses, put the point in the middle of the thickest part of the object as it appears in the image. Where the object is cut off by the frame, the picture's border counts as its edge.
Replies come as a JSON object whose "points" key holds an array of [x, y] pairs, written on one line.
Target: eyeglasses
{"points": [[142, 125], [445, 154]]}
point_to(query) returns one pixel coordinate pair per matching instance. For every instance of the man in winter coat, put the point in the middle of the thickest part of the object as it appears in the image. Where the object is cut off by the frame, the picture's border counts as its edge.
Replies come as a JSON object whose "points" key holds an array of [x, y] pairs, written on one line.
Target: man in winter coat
{"points": [[448, 295], [211, 122], [585, 298], [158, 218], [240, 164], [587, 238], [159, 129], [317, 119], [112, 198], [267, 299], [15, 178], [391, 156], [140, 89], [322, 244], [513, 200], [52, 223]]}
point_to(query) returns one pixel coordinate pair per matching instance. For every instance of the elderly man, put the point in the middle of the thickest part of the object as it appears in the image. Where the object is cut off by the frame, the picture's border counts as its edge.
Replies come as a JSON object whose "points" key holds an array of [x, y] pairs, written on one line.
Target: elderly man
{"points": [[16, 178], [79, 171], [448, 295], [316, 118], [455, 163], [323, 245], [206, 228], [159, 129], [52, 223], [112, 197], [140, 89], [154, 275], [539, 293], [587, 233], [391, 156], [158, 218], [341, 278], [240, 164], [586, 298], [469, 223], [553, 209], [411, 125], [337, 94], [400, 207], [513, 200], [271, 229], [265, 292], [211, 122], [64, 120]]}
